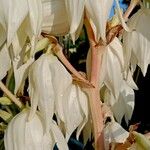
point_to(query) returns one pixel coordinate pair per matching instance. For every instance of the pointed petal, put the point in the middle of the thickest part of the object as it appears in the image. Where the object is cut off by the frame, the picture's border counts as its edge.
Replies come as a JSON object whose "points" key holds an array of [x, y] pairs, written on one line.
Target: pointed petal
{"points": [[21, 73], [113, 132], [74, 15], [130, 81], [113, 77], [59, 138], [15, 20], [35, 13], [61, 80], [117, 49], [125, 104], [5, 62], [98, 13], [2, 35], [75, 111], [41, 89]]}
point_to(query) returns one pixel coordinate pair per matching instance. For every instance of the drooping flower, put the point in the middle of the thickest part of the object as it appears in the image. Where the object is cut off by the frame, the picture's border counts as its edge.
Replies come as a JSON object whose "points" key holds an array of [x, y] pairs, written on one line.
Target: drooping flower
{"points": [[112, 67], [137, 42], [51, 89], [124, 105], [22, 134]]}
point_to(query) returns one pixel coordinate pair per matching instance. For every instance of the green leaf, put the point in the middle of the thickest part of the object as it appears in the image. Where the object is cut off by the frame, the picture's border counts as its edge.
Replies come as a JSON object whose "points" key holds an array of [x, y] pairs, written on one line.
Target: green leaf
{"points": [[5, 101], [142, 140], [5, 115]]}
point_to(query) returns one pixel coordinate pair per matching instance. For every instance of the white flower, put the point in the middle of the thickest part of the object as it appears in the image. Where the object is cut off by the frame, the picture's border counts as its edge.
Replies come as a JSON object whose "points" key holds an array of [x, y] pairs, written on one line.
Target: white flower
{"points": [[124, 105], [137, 42], [76, 103], [98, 13], [22, 134], [51, 89], [112, 67], [114, 133]]}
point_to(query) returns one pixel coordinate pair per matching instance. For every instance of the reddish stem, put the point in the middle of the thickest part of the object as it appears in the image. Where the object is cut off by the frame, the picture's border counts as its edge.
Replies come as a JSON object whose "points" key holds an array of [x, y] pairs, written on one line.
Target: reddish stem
{"points": [[132, 5], [93, 93]]}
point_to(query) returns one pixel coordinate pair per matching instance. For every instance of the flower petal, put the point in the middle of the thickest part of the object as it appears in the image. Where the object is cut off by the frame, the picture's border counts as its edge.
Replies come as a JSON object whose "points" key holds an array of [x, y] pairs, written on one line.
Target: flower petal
{"points": [[55, 18], [75, 10], [98, 13], [15, 20], [5, 62]]}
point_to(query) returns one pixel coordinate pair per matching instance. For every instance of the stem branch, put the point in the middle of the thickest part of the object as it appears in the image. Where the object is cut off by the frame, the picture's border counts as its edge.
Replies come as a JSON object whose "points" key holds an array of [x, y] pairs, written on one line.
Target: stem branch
{"points": [[132, 5], [10, 95]]}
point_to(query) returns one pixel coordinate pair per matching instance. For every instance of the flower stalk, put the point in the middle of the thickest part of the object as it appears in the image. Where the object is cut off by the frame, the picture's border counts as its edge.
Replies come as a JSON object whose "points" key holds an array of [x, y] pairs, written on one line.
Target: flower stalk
{"points": [[132, 5], [93, 93], [57, 50]]}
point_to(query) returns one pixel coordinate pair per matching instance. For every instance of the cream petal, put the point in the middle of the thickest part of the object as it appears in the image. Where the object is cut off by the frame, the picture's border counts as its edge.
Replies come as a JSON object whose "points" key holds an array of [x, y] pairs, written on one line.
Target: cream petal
{"points": [[21, 73], [20, 134], [75, 11], [117, 49], [114, 133], [130, 81], [55, 18], [58, 137], [35, 18], [61, 80], [125, 104], [98, 13], [77, 106], [41, 89], [113, 76], [5, 62], [2, 35], [15, 20], [138, 41], [35, 14], [19, 39]]}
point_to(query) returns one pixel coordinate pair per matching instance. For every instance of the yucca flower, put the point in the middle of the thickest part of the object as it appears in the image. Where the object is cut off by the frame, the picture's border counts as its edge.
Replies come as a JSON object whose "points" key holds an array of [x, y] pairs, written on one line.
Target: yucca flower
{"points": [[137, 42], [112, 67], [22, 134], [114, 133], [51, 89]]}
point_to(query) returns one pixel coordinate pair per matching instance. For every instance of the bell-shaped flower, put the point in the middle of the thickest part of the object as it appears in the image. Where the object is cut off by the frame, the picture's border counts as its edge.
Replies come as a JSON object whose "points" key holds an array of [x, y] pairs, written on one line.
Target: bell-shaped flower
{"points": [[51, 89], [22, 134], [137, 42], [48, 81], [112, 67]]}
